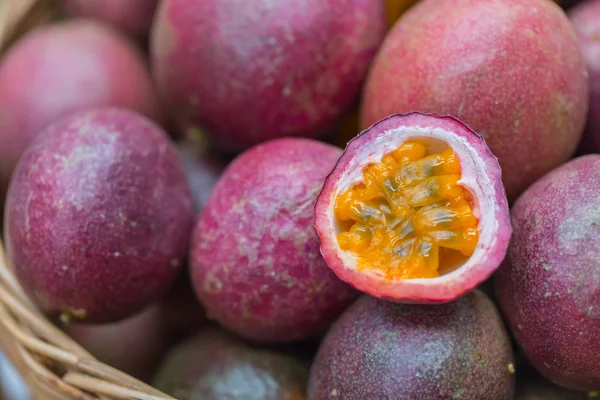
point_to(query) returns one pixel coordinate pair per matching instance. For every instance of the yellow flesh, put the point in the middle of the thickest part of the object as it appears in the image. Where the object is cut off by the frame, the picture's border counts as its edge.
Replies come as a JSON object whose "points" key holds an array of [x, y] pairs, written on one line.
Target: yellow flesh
{"points": [[408, 218]]}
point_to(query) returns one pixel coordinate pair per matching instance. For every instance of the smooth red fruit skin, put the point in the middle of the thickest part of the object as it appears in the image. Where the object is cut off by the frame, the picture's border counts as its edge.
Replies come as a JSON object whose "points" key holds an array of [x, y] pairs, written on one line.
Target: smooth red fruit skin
{"points": [[383, 350], [98, 215], [214, 365], [249, 71], [476, 60], [63, 68], [255, 258], [131, 16], [447, 287], [549, 285], [586, 19], [134, 345]]}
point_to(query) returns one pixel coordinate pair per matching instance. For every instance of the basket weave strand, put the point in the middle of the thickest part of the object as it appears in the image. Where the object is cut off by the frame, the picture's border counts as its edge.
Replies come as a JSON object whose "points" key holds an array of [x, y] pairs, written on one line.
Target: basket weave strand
{"points": [[52, 364]]}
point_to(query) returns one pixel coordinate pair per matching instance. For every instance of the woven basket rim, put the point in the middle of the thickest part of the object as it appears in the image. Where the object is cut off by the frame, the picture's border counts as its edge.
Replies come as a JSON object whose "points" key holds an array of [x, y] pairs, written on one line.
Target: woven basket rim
{"points": [[51, 363]]}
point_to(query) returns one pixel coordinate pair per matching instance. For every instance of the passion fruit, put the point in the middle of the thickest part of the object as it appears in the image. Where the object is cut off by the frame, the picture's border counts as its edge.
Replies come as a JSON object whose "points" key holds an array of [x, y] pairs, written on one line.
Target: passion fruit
{"points": [[586, 19], [255, 258], [480, 71], [549, 286], [249, 71], [59, 69], [414, 210], [383, 350], [214, 365], [134, 345], [98, 216]]}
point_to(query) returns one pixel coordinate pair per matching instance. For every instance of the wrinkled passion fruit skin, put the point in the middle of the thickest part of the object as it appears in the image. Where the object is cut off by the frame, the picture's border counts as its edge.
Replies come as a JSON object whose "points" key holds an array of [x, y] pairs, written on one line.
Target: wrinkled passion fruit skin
{"points": [[480, 72], [134, 345], [549, 286], [586, 19], [132, 16], [63, 68], [98, 215], [255, 258], [236, 371], [383, 350], [249, 71], [485, 185]]}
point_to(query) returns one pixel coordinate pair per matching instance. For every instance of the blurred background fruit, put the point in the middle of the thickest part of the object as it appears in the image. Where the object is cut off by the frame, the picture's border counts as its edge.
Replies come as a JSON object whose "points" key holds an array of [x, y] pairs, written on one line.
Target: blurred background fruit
{"points": [[62, 68], [479, 70], [249, 71], [131, 16]]}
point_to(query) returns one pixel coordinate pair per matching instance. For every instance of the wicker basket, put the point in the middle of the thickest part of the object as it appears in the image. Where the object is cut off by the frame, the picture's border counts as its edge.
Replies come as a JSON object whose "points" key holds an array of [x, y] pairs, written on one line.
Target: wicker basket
{"points": [[52, 364]]}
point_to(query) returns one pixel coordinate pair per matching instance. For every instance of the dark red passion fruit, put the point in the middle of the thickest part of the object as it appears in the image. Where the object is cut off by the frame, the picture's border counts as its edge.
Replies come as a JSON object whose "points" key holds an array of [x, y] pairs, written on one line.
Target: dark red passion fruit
{"points": [[383, 350], [414, 210], [98, 216], [548, 288], [250, 71]]}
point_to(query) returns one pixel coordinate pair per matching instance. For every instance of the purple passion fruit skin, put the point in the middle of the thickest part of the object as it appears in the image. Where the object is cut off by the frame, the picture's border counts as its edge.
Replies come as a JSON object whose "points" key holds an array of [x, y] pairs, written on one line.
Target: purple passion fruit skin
{"points": [[586, 19], [63, 68], [98, 216], [480, 71], [384, 350], [133, 345], [480, 176], [236, 371], [549, 285], [255, 258], [250, 71]]}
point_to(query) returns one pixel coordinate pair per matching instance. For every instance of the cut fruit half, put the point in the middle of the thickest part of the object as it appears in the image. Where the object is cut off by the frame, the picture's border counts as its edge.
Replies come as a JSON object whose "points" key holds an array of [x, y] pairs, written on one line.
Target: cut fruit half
{"points": [[414, 210]]}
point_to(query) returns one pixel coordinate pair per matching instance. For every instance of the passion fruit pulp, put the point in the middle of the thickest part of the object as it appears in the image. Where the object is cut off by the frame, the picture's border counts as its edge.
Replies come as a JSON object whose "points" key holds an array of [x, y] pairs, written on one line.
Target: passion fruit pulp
{"points": [[414, 210]]}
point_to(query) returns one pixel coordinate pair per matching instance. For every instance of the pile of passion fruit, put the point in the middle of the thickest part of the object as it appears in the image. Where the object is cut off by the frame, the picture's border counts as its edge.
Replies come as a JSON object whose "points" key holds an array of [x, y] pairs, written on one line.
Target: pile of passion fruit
{"points": [[450, 251]]}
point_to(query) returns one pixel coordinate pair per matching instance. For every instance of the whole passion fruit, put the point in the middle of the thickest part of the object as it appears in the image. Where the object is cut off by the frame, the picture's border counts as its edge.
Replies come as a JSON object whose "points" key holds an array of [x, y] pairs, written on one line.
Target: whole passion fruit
{"points": [[249, 71], [382, 350], [473, 59], [255, 257], [214, 365], [414, 210], [63, 68], [586, 19], [549, 286], [98, 216], [134, 345]]}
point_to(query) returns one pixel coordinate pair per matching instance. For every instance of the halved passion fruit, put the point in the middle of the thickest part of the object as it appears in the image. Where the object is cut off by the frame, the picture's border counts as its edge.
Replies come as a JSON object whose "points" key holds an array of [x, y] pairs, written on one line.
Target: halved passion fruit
{"points": [[414, 210]]}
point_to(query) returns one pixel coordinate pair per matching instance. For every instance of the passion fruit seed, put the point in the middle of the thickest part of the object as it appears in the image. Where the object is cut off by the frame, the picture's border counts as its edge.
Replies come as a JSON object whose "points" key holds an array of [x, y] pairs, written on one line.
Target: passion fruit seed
{"points": [[409, 218]]}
